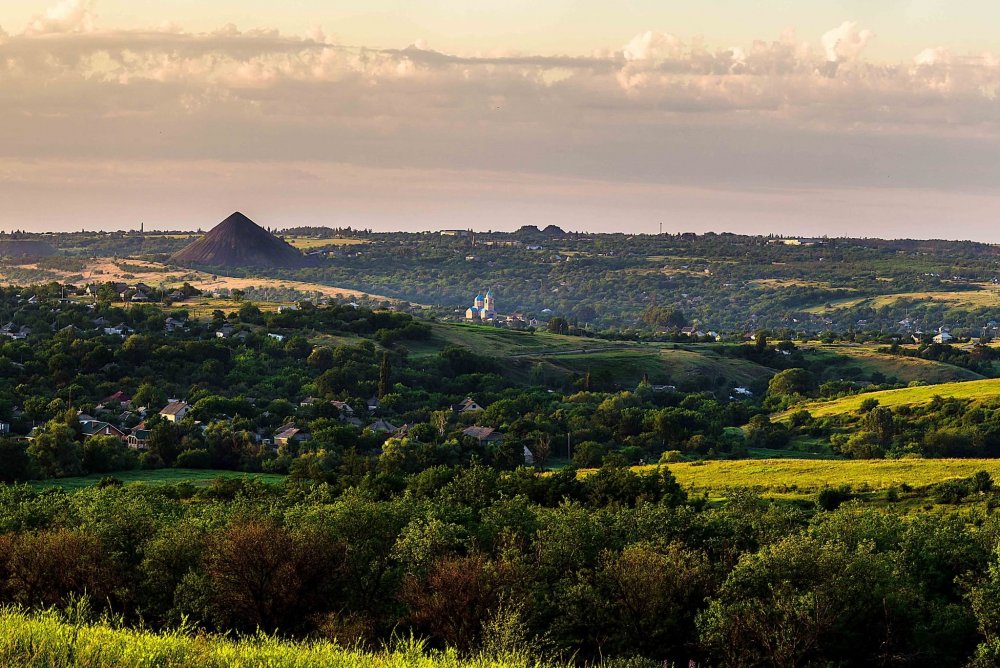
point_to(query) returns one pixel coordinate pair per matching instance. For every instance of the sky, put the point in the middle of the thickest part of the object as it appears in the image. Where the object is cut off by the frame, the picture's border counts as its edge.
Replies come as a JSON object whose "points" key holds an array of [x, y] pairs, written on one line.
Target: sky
{"points": [[827, 117]]}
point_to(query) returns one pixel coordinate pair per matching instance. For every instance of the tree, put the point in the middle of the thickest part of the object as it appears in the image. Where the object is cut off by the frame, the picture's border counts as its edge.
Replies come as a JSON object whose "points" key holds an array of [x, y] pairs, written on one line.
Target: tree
{"points": [[664, 317], [15, 464], [384, 376], [655, 595], [879, 421], [321, 358], [164, 442], [454, 599], [558, 326], [250, 313], [588, 454], [809, 601], [44, 568], [55, 450], [149, 396], [263, 576], [790, 382]]}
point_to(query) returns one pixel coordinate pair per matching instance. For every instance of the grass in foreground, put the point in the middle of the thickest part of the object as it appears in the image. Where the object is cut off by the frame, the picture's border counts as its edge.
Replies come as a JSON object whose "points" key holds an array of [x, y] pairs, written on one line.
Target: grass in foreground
{"points": [[198, 477], [47, 640]]}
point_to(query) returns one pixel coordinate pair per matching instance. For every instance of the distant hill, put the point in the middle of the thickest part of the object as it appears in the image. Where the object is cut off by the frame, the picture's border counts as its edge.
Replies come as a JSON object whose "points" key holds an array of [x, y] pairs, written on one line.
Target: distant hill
{"points": [[532, 231], [25, 248], [239, 242]]}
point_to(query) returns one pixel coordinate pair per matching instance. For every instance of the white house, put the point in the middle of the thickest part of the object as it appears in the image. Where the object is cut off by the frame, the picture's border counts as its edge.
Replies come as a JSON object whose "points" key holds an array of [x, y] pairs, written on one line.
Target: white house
{"points": [[942, 337]]}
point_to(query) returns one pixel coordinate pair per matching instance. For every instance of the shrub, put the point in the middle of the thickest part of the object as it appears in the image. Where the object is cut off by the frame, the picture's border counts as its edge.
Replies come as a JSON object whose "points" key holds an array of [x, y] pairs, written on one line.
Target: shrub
{"points": [[951, 491], [830, 498], [194, 459]]}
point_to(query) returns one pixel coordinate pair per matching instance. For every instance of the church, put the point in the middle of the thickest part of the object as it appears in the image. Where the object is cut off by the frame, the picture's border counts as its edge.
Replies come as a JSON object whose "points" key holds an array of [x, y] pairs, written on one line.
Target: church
{"points": [[482, 309]]}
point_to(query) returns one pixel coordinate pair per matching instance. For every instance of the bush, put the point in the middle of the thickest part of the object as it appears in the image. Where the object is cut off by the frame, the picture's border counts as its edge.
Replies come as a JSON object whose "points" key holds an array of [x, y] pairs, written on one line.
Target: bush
{"points": [[867, 405], [951, 491], [194, 459], [830, 498], [981, 482]]}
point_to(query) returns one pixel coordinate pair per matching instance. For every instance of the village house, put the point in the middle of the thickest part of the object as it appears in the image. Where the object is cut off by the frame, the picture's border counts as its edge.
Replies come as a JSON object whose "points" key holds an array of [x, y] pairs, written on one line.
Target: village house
{"points": [[121, 329], [289, 433], [943, 336], [467, 406], [381, 426], [98, 428], [138, 439], [483, 434], [117, 400], [343, 407], [173, 324], [175, 411]]}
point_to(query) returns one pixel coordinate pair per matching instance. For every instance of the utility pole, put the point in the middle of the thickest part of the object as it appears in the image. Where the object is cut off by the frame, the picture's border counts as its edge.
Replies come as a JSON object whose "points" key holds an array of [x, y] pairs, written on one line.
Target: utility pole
{"points": [[661, 227], [569, 449]]}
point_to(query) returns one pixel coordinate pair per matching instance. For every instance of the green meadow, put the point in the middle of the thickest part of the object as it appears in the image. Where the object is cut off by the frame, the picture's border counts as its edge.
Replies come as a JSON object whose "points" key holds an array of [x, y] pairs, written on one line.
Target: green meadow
{"points": [[197, 477], [973, 389]]}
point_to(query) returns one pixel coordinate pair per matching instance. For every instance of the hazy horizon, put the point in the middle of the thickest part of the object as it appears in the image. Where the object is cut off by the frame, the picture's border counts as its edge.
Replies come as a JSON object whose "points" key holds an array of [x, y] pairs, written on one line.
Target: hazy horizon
{"points": [[834, 118]]}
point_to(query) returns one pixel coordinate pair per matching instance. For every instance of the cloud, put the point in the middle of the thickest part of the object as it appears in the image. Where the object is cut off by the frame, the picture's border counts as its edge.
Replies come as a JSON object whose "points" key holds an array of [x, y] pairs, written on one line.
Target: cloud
{"points": [[657, 108], [845, 42], [650, 45], [66, 16]]}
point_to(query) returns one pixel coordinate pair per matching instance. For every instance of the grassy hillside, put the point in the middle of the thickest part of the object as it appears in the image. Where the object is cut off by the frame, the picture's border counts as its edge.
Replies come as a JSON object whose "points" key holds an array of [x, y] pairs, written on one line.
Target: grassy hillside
{"points": [[867, 360], [663, 364], [975, 389], [499, 342], [199, 477], [805, 477], [46, 640], [618, 363]]}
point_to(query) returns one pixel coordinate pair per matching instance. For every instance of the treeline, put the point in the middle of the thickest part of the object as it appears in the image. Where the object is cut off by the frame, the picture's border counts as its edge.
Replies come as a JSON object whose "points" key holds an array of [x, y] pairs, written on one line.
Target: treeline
{"points": [[614, 564]]}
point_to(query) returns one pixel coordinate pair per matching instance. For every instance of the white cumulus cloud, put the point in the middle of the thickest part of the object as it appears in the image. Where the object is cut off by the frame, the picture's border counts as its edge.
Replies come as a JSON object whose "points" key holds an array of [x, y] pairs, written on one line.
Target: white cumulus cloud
{"points": [[63, 17], [845, 42]]}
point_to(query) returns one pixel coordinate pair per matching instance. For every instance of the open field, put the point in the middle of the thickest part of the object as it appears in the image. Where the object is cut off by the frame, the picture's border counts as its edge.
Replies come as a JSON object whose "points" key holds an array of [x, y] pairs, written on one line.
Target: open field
{"points": [[973, 389], [663, 364], [835, 305], [622, 362], [306, 243], [789, 283], [805, 477], [160, 275], [986, 296], [199, 477], [499, 342], [905, 369], [43, 639]]}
